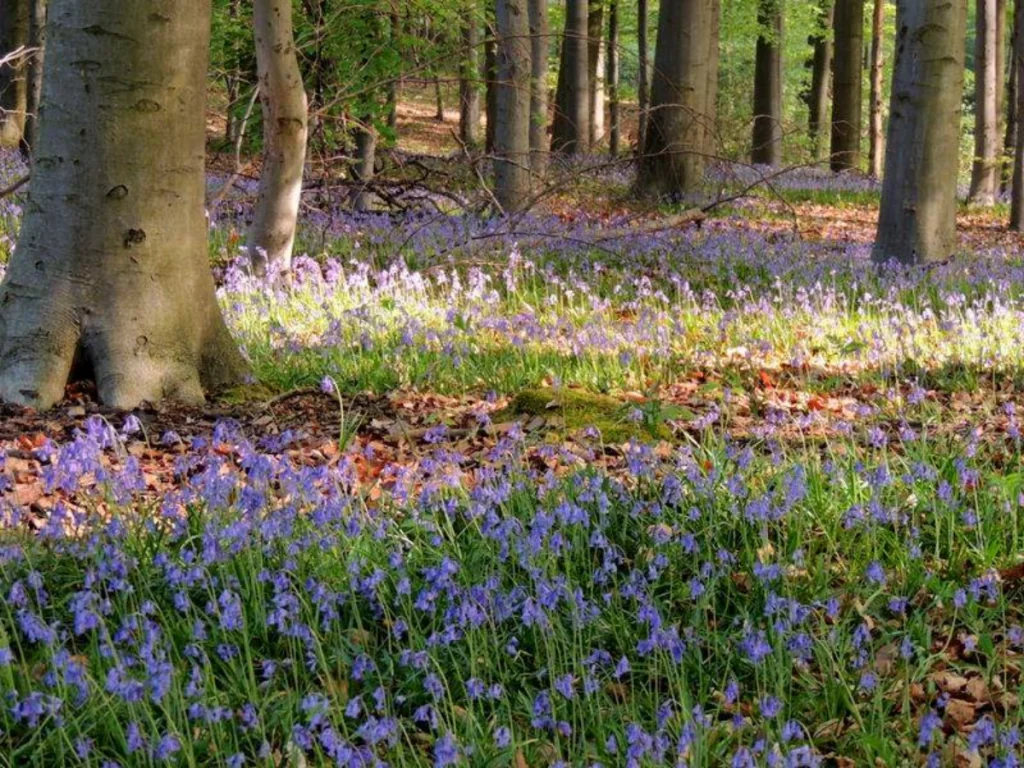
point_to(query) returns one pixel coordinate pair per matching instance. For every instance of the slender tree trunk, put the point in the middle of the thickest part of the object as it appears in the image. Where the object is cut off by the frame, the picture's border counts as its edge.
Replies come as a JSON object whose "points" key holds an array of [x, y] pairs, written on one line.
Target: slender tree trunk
{"points": [[821, 78], [37, 40], [711, 98], [438, 100], [232, 79], [111, 266], [1017, 197], [1012, 117], [673, 159], [540, 44], [985, 170], [396, 37], [283, 98], [570, 132], [596, 70], [917, 220], [847, 84], [643, 90], [469, 89], [612, 77], [364, 169], [491, 72], [767, 134], [512, 140], [876, 136], [14, 34]]}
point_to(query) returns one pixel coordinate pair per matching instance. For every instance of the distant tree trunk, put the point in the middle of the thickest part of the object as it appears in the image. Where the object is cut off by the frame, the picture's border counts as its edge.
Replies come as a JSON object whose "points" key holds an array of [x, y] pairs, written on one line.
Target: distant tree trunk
{"points": [[570, 131], [1017, 198], [876, 151], [469, 76], [917, 220], [283, 98], [14, 34], [711, 98], [491, 92], [1012, 117], [673, 159], [643, 89], [821, 78], [847, 84], [232, 79], [767, 134], [438, 100], [985, 170], [37, 40], [112, 264], [364, 169], [596, 70], [540, 43], [512, 140], [612, 77]]}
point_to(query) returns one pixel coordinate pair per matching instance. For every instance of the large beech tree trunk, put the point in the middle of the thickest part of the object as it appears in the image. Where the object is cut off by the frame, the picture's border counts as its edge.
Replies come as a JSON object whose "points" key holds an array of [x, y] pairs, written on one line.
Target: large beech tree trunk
{"points": [[847, 86], [821, 78], [673, 158], [595, 70], [469, 77], [876, 137], [767, 134], [272, 232], [917, 220], [643, 89], [570, 131], [111, 265], [512, 139], [540, 43], [985, 170], [1017, 197], [14, 34]]}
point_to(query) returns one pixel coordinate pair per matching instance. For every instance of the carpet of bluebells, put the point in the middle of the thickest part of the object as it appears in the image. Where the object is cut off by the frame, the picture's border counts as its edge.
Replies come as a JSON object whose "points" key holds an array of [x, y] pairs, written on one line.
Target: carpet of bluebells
{"points": [[752, 600]]}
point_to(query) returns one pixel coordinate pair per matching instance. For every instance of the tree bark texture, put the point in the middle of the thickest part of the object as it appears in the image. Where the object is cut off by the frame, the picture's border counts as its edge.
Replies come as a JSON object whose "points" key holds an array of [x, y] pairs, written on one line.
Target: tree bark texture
{"points": [[596, 70], [985, 169], [847, 84], [570, 131], [491, 92], [469, 78], [711, 97], [821, 79], [917, 220], [1017, 195], [14, 34], [283, 99], [643, 88], [767, 134], [111, 266], [540, 42], [612, 78], [876, 136], [512, 140]]}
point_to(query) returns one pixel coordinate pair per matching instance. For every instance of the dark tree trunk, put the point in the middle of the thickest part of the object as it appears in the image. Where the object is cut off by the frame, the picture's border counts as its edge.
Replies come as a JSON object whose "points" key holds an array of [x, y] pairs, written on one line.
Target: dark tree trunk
{"points": [[821, 79], [14, 35], [612, 78], [767, 134], [512, 138], [673, 158], [643, 89], [1012, 117], [985, 170], [469, 76], [847, 84], [917, 219], [876, 138], [1017, 197], [570, 131], [364, 168], [540, 43], [711, 98], [37, 40], [112, 267]]}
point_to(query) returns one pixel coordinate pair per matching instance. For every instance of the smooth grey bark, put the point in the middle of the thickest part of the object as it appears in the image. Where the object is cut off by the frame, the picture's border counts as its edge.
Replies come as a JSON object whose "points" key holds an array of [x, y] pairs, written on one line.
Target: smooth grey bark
{"points": [[985, 169], [14, 34], [512, 138], [766, 148], [540, 44], [570, 130], [673, 158], [821, 78], [847, 84], [37, 41], [612, 78], [596, 70], [271, 235], [917, 219], [876, 136], [365, 166], [469, 77], [711, 98], [1017, 195], [643, 89], [111, 266]]}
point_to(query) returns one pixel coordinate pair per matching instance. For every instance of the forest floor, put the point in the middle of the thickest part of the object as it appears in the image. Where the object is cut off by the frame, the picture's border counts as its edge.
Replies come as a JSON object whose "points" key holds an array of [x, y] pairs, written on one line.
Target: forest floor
{"points": [[576, 488]]}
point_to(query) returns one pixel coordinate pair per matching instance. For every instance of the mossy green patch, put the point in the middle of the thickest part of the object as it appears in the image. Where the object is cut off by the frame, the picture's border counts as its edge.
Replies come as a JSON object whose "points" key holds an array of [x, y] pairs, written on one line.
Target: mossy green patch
{"points": [[575, 409]]}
